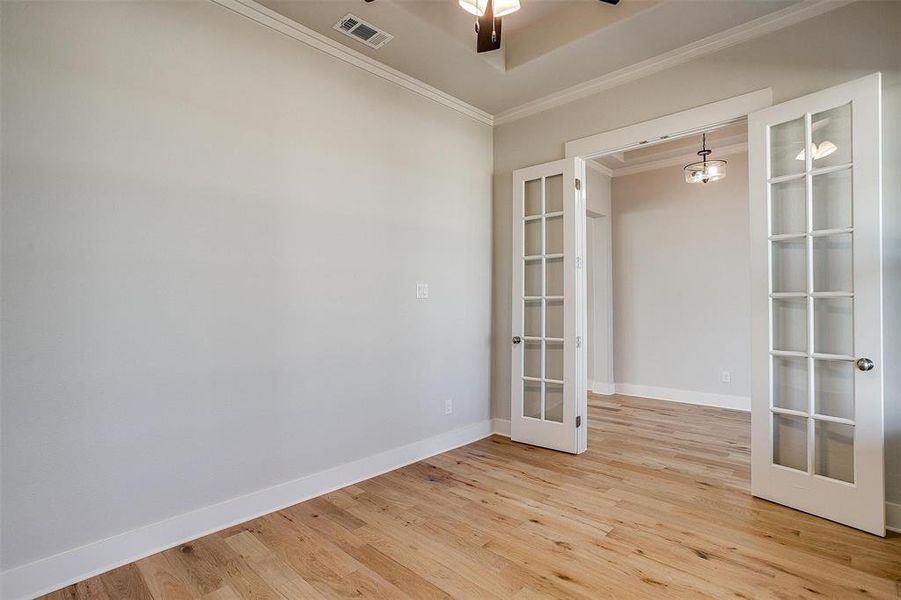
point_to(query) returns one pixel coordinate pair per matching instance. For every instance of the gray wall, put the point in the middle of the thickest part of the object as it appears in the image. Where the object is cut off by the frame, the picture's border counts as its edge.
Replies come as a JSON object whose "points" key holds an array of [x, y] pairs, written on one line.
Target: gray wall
{"points": [[681, 280], [211, 237], [599, 280], [833, 48]]}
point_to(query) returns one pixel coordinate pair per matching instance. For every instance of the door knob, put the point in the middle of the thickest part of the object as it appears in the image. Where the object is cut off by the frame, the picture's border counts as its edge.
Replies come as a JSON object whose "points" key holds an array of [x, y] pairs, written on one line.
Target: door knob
{"points": [[865, 364], [516, 339]]}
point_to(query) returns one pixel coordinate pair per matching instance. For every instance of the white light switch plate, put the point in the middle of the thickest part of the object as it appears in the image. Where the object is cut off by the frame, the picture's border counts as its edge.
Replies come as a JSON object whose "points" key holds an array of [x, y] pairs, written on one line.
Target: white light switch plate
{"points": [[422, 291]]}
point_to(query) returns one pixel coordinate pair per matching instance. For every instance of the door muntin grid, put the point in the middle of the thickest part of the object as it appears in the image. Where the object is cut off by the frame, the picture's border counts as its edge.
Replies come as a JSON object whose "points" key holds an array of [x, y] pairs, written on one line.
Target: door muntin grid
{"points": [[811, 229], [542, 298]]}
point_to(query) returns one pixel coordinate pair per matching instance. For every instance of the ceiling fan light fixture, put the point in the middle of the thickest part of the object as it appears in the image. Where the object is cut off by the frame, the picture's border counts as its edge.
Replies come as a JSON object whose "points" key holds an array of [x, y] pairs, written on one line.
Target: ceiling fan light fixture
{"points": [[501, 7], [475, 7], [823, 150]]}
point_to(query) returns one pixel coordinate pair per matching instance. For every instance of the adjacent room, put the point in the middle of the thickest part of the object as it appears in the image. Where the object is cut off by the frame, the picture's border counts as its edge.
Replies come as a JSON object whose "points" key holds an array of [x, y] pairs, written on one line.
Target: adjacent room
{"points": [[668, 271], [450, 299]]}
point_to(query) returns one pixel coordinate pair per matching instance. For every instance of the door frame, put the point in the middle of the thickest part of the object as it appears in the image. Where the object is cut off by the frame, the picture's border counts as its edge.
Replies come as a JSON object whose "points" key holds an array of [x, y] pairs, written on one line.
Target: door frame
{"points": [[670, 127], [674, 126]]}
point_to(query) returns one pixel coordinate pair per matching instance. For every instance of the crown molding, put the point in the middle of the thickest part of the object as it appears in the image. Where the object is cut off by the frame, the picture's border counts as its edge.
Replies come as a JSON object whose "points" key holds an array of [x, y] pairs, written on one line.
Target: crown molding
{"points": [[682, 159], [719, 41], [271, 19], [741, 33]]}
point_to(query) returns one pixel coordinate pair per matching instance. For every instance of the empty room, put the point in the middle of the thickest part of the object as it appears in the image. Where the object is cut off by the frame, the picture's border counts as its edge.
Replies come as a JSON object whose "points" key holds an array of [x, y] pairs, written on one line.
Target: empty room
{"points": [[450, 299]]}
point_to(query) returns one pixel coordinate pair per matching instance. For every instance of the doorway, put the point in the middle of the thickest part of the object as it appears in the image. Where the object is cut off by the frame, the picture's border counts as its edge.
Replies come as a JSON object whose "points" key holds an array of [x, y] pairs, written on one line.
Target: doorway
{"points": [[668, 271]]}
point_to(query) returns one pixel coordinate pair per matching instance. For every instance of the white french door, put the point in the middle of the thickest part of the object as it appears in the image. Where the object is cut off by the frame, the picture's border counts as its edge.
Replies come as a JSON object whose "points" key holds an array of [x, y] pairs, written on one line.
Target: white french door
{"points": [[817, 398], [549, 395]]}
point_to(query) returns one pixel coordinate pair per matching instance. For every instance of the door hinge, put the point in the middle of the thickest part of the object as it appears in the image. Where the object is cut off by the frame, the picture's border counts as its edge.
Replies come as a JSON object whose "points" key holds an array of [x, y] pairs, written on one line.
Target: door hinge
{"points": [[578, 421], [578, 341], [578, 184]]}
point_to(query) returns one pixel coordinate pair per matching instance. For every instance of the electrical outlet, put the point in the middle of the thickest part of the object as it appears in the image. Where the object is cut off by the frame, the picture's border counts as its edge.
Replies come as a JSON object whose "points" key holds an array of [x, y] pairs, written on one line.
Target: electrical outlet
{"points": [[448, 406], [727, 377], [422, 291]]}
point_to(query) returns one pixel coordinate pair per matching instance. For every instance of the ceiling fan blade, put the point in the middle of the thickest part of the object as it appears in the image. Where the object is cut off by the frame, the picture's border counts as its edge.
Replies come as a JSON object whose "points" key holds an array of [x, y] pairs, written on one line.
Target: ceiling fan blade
{"points": [[613, 2], [488, 31]]}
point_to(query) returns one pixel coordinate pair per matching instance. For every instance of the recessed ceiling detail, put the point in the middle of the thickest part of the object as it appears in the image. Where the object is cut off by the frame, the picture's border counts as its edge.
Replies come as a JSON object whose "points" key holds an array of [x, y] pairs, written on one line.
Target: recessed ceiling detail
{"points": [[546, 46]]}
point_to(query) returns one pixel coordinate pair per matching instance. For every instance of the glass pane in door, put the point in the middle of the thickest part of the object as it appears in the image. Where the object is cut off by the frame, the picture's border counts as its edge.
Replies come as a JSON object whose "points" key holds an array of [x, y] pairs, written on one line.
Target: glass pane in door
{"points": [[787, 148], [532, 238], [811, 250], [553, 402], [832, 200], [531, 359], [790, 441], [835, 450], [834, 384], [831, 137], [532, 325], [553, 194], [554, 276], [554, 319], [554, 240], [789, 207], [790, 383], [531, 399], [543, 306], [833, 326], [790, 265], [532, 198], [790, 324], [533, 278], [554, 361], [832, 263]]}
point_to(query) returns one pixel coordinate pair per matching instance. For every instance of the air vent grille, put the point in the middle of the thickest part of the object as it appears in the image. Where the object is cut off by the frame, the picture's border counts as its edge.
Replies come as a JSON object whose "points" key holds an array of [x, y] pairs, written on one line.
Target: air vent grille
{"points": [[362, 31]]}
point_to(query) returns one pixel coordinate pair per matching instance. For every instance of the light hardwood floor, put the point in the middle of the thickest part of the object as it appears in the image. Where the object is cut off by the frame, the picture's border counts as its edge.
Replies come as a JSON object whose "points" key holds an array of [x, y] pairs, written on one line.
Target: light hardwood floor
{"points": [[657, 508]]}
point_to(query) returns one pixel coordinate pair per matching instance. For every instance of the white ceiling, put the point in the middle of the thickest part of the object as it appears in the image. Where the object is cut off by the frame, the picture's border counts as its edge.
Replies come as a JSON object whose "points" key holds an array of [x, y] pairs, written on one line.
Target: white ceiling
{"points": [[549, 45]]}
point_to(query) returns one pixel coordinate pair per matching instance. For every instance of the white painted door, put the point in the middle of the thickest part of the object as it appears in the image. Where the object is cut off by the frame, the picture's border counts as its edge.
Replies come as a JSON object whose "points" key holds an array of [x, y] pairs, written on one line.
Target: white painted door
{"points": [[549, 395], [817, 400]]}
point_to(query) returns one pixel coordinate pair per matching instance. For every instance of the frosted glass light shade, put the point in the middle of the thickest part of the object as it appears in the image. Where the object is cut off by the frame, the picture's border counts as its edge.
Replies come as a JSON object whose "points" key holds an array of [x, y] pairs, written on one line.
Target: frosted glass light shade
{"points": [[705, 172], [501, 7]]}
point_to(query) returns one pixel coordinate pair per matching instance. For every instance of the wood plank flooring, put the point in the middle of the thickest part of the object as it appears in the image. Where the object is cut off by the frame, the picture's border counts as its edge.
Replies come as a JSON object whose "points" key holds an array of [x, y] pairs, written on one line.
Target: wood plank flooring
{"points": [[659, 507]]}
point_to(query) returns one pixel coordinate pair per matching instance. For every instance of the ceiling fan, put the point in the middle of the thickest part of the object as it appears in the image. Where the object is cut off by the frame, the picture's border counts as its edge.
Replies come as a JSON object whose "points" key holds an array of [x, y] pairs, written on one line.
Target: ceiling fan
{"points": [[488, 15]]}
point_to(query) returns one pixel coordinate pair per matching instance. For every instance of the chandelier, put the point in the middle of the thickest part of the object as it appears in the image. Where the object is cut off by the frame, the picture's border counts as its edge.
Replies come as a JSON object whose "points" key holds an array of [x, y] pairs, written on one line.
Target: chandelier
{"points": [[704, 170]]}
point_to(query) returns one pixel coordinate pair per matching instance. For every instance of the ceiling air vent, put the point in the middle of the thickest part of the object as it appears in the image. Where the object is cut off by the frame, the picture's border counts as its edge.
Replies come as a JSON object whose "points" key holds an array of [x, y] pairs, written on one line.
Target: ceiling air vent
{"points": [[362, 31]]}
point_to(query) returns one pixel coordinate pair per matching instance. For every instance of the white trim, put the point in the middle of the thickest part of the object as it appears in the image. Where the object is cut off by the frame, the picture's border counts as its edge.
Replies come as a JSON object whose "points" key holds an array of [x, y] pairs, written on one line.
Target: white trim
{"points": [[673, 126], [602, 388], [54, 572], [713, 43], [269, 18], [685, 396], [500, 427], [672, 161], [893, 516]]}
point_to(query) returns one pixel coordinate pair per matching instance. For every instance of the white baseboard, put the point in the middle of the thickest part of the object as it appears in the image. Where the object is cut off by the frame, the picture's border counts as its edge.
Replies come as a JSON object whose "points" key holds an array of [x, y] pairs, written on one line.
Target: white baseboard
{"points": [[602, 387], [893, 516], [500, 427], [685, 396], [54, 572]]}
